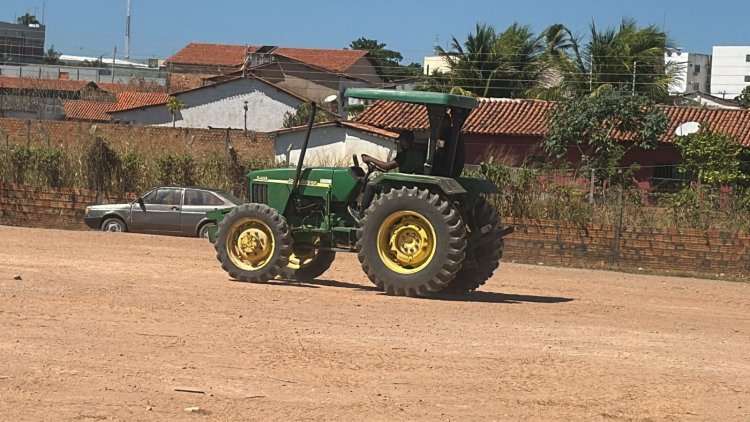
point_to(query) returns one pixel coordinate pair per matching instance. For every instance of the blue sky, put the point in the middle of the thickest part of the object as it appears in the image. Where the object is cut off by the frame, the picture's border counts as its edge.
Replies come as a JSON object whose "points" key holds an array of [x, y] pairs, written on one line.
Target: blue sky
{"points": [[161, 27]]}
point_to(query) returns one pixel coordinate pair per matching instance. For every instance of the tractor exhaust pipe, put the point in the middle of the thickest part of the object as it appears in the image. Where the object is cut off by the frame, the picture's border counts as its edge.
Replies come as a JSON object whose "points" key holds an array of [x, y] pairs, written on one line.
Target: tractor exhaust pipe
{"points": [[302, 152]]}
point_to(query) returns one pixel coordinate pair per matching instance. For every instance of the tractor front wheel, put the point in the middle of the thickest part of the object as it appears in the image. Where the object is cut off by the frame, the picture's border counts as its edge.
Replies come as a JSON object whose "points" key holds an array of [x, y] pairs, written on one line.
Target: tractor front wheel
{"points": [[411, 242], [253, 243], [484, 247]]}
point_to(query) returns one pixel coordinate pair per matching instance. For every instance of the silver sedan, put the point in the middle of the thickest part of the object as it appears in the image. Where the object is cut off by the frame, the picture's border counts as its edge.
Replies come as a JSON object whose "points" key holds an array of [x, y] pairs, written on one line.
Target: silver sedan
{"points": [[172, 210]]}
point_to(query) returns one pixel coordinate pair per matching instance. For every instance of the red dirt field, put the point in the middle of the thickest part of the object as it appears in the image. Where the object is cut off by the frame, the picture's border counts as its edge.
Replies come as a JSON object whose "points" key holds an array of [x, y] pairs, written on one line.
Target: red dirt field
{"points": [[106, 326]]}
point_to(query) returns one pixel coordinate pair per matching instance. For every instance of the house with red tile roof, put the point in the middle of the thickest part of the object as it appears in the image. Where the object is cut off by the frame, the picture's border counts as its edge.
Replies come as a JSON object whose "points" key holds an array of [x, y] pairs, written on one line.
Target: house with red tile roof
{"points": [[99, 111], [38, 98], [310, 73], [510, 131], [250, 103]]}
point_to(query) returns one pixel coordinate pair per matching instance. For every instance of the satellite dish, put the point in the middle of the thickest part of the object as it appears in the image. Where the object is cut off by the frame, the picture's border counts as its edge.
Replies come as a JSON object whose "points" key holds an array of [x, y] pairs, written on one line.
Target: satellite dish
{"points": [[687, 128], [331, 98]]}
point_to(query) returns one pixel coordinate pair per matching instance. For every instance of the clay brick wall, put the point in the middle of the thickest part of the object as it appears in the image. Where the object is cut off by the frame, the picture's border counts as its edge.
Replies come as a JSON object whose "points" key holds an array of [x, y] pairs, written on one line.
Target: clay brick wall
{"points": [[678, 251], [143, 138], [26, 206]]}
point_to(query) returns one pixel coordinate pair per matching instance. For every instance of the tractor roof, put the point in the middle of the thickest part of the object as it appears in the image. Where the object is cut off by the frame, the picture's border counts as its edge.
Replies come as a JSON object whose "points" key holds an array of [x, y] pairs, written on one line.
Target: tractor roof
{"points": [[415, 97]]}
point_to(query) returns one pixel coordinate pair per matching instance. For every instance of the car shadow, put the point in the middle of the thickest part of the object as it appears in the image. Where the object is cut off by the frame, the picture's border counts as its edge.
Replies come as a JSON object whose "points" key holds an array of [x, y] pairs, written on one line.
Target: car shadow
{"points": [[477, 296]]}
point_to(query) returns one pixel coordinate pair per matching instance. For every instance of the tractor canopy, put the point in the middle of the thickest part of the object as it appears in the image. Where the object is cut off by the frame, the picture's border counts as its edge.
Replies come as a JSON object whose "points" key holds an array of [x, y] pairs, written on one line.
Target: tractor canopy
{"points": [[446, 113]]}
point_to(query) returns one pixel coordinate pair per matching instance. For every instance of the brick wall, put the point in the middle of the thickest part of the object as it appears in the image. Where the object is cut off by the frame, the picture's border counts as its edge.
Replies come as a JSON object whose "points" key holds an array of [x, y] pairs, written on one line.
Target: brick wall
{"points": [[143, 138], [26, 206], [554, 243], [633, 248]]}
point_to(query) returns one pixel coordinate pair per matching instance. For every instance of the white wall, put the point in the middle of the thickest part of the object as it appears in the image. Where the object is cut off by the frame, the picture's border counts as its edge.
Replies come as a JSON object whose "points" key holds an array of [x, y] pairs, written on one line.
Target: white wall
{"points": [[332, 146], [434, 64], [221, 106], [729, 69], [693, 69]]}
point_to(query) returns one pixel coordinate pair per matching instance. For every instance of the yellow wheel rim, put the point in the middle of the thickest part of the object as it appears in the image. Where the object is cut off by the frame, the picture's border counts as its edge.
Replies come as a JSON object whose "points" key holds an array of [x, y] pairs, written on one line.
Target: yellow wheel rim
{"points": [[250, 244], [406, 242]]}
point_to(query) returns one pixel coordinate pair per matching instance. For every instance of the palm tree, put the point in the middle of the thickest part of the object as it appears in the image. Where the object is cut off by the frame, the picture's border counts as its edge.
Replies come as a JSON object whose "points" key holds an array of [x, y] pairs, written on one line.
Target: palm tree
{"points": [[626, 58], [496, 65], [27, 19], [174, 105]]}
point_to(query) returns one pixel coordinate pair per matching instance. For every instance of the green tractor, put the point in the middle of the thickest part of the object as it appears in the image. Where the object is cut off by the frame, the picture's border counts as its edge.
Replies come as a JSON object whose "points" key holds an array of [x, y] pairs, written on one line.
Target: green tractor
{"points": [[420, 234]]}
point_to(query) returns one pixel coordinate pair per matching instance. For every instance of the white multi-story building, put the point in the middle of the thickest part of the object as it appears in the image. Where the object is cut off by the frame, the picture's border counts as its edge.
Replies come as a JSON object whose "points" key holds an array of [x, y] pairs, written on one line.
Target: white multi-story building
{"points": [[730, 72], [694, 72]]}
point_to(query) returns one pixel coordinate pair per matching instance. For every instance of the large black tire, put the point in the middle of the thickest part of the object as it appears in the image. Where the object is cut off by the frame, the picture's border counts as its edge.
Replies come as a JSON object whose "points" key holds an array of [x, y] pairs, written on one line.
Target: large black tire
{"points": [[484, 249], [405, 226], [309, 269], [253, 243]]}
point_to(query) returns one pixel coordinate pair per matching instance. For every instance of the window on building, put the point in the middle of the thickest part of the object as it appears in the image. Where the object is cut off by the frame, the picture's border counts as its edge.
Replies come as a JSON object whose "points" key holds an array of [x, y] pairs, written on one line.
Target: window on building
{"points": [[697, 87], [665, 171], [747, 58], [747, 78], [697, 69]]}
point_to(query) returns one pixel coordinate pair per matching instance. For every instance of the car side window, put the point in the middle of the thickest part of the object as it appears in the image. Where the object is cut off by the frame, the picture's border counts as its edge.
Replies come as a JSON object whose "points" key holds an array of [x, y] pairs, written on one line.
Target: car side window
{"points": [[150, 197], [168, 197], [210, 198], [193, 197]]}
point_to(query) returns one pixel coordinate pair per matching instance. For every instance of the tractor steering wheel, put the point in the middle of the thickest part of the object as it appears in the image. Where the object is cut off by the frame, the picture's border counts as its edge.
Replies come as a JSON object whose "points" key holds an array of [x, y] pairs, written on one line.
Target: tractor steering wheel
{"points": [[371, 167]]}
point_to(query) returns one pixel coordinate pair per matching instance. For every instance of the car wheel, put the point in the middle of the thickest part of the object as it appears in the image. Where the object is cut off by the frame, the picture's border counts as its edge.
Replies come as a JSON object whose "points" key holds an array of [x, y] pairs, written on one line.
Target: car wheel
{"points": [[203, 231], [114, 224]]}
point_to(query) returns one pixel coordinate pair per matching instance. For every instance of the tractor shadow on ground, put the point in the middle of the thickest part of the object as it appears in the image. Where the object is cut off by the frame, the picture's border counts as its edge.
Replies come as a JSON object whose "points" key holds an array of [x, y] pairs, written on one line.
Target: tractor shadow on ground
{"points": [[477, 296]]}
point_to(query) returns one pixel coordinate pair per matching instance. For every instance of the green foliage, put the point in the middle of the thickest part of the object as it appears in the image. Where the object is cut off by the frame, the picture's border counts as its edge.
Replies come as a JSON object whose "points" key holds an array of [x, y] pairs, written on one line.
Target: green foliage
{"points": [[589, 125], [174, 105], [744, 98], [714, 157], [176, 169], [48, 166], [214, 171], [133, 172], [301, 116], [27, 19], [20, 160], [387, 62], [102, 164], [52, 56], [685, 208]]}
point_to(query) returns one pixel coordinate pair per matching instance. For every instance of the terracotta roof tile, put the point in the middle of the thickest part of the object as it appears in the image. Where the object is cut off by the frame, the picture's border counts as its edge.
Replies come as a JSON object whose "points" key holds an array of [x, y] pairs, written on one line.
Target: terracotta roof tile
{"points": [[88, 110], [132, 87], [210, 54], [44, 84], [98, 110], [530, 118], [234, 55], [333, 60], [372, 129]]}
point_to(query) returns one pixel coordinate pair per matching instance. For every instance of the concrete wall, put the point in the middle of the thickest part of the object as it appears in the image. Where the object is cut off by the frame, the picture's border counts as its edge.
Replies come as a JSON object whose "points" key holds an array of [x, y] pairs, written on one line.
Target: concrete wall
{"points": [[331, 146], [221, 106], [729, 70], [694, 70]]}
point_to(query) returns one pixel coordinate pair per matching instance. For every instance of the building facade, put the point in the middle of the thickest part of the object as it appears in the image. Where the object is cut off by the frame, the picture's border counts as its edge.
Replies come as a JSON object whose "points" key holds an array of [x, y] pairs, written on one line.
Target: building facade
{"points": [[21, 43], [730, 72], [694, 72]]}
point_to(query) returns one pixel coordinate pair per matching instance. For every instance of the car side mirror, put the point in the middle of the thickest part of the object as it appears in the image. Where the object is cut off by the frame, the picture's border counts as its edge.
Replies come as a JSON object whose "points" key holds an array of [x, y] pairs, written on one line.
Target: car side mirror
{"points": [[141, 204]]}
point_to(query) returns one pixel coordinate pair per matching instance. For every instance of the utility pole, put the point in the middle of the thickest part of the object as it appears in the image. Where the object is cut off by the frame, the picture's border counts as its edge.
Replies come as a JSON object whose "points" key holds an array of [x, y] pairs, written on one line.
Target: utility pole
{"points": [[114, 53], [634, 65], [127, 33]]}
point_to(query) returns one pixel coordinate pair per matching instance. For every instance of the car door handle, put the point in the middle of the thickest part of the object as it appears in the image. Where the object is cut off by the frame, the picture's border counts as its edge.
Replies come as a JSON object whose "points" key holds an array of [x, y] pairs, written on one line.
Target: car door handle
{"points": [[175, 208]]}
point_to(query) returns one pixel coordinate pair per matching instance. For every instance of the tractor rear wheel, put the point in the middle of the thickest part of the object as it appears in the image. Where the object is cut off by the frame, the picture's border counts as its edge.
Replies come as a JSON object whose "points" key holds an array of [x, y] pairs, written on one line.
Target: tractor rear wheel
{"points": [[308, 263], [411, 242], [253, 243], [484, 247]]}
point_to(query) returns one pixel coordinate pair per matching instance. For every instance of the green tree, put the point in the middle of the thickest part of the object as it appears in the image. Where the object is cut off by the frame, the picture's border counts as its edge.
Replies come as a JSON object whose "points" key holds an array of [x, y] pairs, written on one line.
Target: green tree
{"points": [[52, 56], [712, 157], [174, 105], [590, 125], [744, 98], [27, 19], [506, 64], [612, 58], [387, 62], [301, 116]]}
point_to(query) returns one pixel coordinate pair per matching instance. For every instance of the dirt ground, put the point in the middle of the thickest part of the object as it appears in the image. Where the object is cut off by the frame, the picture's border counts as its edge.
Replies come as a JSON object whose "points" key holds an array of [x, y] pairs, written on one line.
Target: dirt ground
{"points": [[106, 326]]}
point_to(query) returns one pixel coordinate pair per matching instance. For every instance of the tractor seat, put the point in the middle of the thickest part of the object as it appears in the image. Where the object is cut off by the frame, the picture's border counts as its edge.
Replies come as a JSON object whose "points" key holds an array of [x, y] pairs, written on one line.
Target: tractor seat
{"points": [[357, 172]]}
